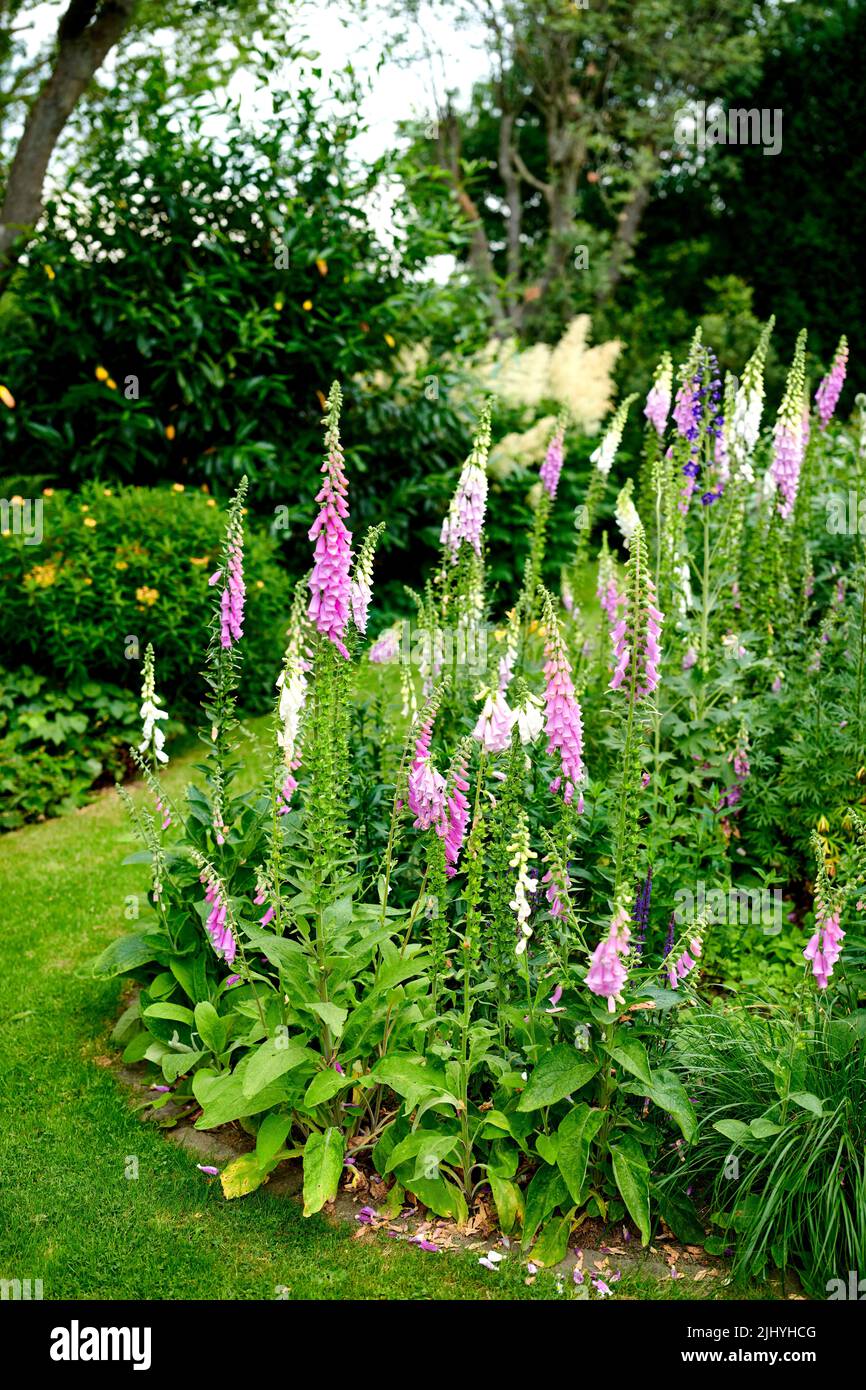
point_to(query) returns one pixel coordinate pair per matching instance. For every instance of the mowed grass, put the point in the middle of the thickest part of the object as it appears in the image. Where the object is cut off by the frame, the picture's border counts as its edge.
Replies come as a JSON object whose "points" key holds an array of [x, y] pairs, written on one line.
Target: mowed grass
{"points": [[69, 1215]]}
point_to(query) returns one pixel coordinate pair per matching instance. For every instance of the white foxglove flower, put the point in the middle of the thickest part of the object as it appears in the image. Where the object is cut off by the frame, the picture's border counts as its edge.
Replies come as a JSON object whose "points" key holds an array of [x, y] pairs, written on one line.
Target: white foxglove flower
{"points": [[626, 514], [529, 719], [153, 737], [605, 454]]}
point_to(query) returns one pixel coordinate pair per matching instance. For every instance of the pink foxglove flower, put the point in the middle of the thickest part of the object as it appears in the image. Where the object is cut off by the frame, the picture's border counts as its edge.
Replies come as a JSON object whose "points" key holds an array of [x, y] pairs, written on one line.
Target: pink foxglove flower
{"points": [[788, 437], [493, 729], [426, 784], [827, 395], [386, 647], [636, 635], [330, 584], [465, 519], [551, 468], [563, 718], [825, 947], [218, 928], [458, 814], [658, 402]]}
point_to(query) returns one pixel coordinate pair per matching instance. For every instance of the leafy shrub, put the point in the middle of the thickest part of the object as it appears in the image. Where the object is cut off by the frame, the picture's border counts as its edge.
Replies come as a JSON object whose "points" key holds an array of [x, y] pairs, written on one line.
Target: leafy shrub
{"points": [[118, 568], [58, 742]]}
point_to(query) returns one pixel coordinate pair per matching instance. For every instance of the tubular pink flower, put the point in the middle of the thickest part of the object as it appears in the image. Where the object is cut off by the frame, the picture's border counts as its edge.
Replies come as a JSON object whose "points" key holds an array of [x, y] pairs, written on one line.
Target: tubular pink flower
{"points": [[465, 519], [638, 632], [427, 785], [386, 647], [551, 468], [607, 973], [330, 582], [827, 395], [555, 904], [493, 728], [825, 947], [458, 817], [658, 401], [217, 926], [232, 597], [789, 435], [563, 718]]}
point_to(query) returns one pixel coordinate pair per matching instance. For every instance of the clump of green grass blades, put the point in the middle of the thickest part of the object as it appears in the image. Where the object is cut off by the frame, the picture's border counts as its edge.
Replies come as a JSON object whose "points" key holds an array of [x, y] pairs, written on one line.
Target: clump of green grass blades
{"points": [[780, 1154]]}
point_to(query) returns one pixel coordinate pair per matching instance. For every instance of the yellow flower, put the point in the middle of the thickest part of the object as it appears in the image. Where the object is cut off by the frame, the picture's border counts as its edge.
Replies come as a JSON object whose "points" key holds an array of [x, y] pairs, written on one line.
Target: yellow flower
{"points": [[48, 492], [49, 271], [17, 501], [6, 397], [322, 401], [211, 501], [85, 507], [101, 374], [390, 341], [146, 595], [90, 521], [823, 825], [87, 579], [321, 265], [176, 487], [307, 305], [170, 432], [278, 305], [260, 583], [199, 559], [42, 575], [111, 384], [121, 565], [106, 492]]}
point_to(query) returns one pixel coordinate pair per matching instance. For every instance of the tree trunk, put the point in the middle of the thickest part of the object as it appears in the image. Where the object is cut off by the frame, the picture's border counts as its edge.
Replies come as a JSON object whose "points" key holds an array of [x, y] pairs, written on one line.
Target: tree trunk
{"points": [[628, 225], [87, 32], [511, 181]]}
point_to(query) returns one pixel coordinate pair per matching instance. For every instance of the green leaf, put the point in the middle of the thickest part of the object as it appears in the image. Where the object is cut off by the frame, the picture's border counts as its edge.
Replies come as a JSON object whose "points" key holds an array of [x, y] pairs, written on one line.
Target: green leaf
{"points": [[243, 1175], [333, 1016], [733, 1129], [323, 1164], [668, 1092], [409, 1077], [427, 1148], [175, 1064], [272, 1059], [508, 1199], [560, 1072], [678, 1212], [442, 1197], [272, 1135], [546, 1145], [223, 1099], [126, 953], [576, 1134], [324, 1086], [543, 1195], [762, 1128], [552, 1244], [632, 1178], [176, 1013], [630, 1054], [212, 1029], [807, 1101]]}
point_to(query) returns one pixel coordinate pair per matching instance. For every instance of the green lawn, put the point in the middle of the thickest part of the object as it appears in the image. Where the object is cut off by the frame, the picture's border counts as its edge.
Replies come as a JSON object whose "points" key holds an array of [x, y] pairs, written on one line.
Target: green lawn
{"points": [[68, 1213]]}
